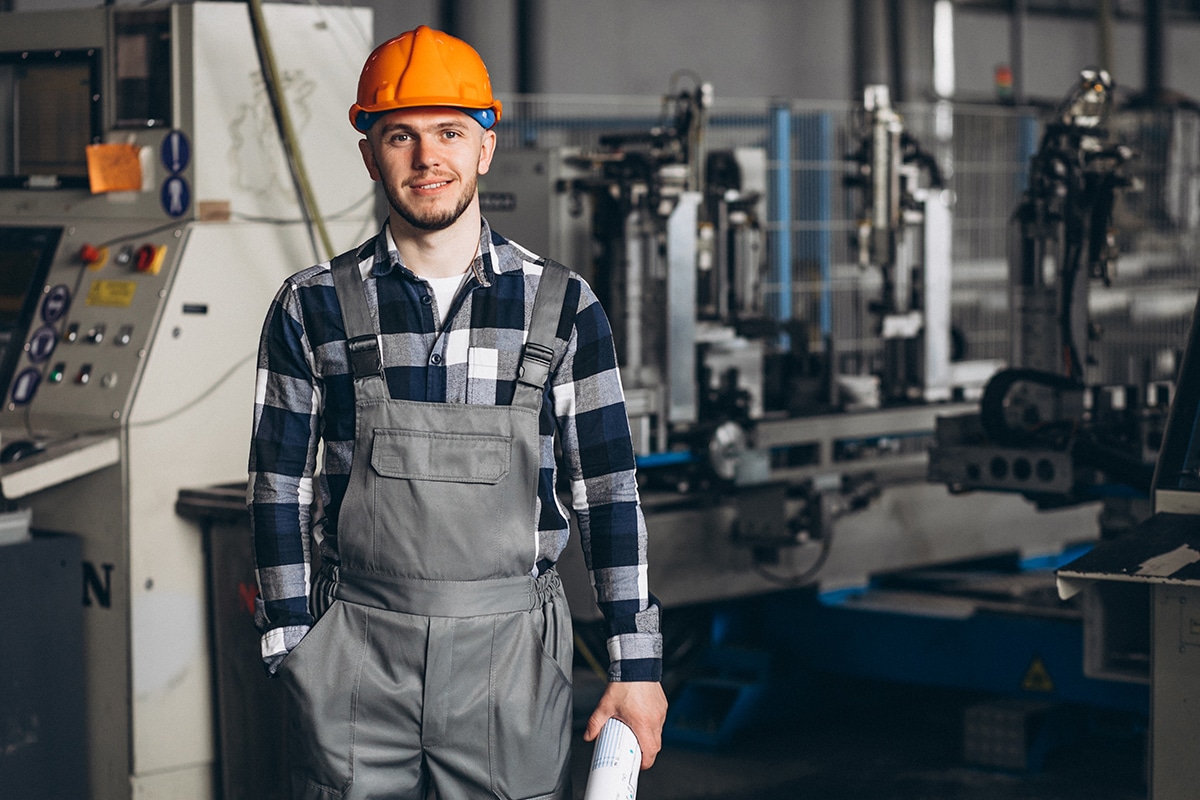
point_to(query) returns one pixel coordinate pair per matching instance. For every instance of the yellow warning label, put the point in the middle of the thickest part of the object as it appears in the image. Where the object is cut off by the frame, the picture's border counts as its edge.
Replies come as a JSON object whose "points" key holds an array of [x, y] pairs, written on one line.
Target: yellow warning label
{"points": [[114, 294], [1037, 677]]}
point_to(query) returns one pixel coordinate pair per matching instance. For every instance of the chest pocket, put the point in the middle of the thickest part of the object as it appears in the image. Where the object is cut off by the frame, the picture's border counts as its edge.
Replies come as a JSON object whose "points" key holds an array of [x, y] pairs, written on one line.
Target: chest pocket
{"points": [[438, 456]]}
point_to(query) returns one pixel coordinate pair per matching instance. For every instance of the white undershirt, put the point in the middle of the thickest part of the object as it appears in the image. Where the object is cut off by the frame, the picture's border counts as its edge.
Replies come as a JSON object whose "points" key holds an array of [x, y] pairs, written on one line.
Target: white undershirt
{"points": [[444, 290]]}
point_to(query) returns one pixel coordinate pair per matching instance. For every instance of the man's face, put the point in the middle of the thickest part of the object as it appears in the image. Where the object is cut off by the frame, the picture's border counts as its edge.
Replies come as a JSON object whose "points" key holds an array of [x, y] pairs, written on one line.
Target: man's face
{"points": [[428, 160]]}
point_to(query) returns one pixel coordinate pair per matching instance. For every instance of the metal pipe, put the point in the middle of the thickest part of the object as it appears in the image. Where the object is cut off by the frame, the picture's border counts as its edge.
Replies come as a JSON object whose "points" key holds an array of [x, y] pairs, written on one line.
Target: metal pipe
{"points": [[1153, 51], [871, 51], [1104, 35], [895, 31], [531, 34], [781, 262]]}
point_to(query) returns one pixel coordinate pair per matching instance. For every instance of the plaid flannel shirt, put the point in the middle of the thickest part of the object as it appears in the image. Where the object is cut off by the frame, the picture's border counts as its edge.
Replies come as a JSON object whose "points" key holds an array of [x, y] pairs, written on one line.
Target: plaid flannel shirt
{"points": [[304, 394]]}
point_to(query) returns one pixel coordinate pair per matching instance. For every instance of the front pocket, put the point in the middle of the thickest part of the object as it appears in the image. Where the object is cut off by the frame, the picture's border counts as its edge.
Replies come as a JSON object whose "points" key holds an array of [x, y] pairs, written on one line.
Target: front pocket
{"points": [[436, 456], [321, 677], [531, 699]]}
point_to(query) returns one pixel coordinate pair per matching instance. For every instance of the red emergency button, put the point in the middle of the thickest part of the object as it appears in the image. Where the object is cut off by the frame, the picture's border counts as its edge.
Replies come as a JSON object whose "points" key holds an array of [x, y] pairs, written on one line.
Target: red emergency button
{"points": [[149, 258], [93, 257]]}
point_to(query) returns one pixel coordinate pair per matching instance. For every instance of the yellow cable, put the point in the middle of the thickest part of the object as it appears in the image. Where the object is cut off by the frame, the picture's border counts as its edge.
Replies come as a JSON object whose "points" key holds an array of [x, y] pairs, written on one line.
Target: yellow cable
{"points": [[590, 658], [271, 75]]}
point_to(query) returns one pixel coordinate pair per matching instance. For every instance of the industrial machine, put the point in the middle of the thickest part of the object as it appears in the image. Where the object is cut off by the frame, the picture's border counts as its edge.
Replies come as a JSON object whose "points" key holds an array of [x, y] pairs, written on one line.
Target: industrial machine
{"points": [[147, 216], [1054, 426], [904, 232], [761, 437]]}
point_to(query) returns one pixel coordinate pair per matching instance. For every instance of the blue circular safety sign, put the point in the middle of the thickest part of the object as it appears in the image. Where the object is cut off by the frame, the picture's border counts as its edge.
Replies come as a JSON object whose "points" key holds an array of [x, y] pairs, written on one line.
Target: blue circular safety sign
{"points": [[57, 301], [42, 343], [176, 196], [176, 152], [26, 385]]}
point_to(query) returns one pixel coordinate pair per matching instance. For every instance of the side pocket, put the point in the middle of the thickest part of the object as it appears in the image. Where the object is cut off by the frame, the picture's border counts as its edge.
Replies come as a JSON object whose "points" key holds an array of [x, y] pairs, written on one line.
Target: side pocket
{"points": [[531, 698], [321, 679]]}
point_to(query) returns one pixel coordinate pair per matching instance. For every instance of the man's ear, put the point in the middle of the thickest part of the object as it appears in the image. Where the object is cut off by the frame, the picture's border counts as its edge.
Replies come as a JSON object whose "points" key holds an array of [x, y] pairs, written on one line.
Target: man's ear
{"points": [[487, 148], [368, 157]]}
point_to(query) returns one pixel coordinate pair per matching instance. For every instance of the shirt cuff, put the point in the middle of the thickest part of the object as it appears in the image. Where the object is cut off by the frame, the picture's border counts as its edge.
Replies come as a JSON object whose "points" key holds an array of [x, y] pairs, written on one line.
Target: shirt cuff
{"points": [[635, 657], [278, 642]]}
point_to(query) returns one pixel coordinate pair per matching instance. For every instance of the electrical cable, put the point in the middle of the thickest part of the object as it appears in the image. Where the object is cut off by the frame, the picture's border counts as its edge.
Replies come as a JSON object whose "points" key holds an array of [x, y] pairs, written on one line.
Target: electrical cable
{"points": [[345, 212], [796, 581], [582, 648], [204, 395], [287, 135]]}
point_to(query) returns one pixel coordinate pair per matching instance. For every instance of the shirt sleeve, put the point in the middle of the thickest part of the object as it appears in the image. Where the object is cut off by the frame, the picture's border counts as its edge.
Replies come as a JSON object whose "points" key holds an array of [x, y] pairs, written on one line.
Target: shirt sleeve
{"points": [[599, 460], [283, 453]]}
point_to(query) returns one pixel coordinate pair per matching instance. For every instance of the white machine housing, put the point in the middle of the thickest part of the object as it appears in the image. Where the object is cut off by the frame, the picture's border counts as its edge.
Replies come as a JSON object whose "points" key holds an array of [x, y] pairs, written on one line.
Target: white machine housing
{"points": [[135, 371]]}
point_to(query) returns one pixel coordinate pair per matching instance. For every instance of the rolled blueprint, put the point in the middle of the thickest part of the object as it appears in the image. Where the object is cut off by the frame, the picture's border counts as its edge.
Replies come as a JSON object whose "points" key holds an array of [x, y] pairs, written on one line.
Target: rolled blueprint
{"points": [[615, 764]]}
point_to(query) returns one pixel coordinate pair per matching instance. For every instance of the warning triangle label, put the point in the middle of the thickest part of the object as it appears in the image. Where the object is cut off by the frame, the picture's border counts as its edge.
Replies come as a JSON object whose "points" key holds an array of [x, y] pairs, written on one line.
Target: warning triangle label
{"points": [[1037, 677]]}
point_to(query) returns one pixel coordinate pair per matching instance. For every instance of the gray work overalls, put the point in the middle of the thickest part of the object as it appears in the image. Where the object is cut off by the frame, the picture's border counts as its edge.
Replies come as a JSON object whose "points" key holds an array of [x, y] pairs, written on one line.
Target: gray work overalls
{"points": [[441, 667]]}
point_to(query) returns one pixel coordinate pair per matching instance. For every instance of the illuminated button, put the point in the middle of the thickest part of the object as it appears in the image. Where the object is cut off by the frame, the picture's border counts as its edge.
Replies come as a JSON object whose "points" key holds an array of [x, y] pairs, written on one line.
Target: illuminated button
{"points": [[96, 334], [84, 375], [57, 371], [124, 334], [72, 335], [25, 385]]}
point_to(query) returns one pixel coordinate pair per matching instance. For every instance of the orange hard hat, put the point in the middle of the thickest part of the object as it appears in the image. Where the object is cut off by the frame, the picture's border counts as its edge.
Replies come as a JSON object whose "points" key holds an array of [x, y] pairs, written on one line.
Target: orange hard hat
{"points": [[424, 67]]}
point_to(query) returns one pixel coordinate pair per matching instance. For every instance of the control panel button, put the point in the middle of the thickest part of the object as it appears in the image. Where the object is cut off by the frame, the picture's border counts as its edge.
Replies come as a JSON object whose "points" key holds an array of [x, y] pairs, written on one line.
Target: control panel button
{"points": [[84, 375], [25, 385], [42, 343], [124, 335], [149, 258], [57, 301], [96, 334], [72, 334], [93, 257], [56, 372]]}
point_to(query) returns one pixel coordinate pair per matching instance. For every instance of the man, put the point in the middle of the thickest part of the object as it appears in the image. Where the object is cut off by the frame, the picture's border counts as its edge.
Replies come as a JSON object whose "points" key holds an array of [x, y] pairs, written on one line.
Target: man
{"points": [[431, 653]]}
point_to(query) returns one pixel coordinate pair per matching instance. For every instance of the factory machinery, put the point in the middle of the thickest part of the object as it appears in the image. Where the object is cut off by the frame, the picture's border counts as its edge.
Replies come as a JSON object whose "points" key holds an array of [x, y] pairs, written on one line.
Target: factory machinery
{"points": [[1050, 427], [775, 454], [761, 438], [1062, 427], [148, 213], [147, 216]]}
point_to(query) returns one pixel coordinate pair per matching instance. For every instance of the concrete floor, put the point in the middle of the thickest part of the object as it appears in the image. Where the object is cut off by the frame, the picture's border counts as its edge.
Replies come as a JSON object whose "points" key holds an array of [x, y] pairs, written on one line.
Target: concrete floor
{"points": [[872, 741]]}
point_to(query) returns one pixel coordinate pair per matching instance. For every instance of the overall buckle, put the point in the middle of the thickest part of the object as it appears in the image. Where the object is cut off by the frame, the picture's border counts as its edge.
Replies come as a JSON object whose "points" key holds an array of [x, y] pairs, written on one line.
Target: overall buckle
{"points": [[535, 365], [364, 356]]}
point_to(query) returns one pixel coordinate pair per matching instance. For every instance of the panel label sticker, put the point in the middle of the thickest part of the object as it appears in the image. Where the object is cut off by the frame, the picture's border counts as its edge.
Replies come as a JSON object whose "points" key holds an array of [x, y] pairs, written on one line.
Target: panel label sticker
{"points": [[111, 294]]}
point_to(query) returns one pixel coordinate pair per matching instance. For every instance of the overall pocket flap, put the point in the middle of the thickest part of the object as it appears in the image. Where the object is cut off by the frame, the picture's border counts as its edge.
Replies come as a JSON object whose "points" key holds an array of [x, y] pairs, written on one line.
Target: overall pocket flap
{"points": [[435, 456]]}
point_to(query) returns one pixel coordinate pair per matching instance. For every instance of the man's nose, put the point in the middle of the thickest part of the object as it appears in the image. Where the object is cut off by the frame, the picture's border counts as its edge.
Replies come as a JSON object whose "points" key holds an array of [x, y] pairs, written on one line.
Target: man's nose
{"points": [[426, 153]]}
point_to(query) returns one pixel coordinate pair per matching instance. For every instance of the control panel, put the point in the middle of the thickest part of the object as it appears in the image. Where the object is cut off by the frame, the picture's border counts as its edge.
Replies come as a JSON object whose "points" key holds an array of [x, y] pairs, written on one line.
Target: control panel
{"points": [[77, 354]]}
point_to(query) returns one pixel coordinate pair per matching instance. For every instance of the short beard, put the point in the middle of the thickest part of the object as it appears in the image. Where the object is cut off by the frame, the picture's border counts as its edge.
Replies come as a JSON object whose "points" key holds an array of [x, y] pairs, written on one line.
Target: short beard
{"points": [[433, 221]]}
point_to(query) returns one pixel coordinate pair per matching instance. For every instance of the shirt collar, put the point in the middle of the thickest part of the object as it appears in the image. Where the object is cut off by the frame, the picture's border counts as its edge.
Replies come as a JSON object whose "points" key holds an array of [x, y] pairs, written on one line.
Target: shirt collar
{"points": [[487, 263]]}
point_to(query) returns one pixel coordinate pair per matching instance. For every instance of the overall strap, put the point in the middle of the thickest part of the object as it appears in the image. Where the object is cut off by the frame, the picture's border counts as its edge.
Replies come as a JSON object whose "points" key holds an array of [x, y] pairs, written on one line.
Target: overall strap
{"points": [[362, 340], [534, 369]]}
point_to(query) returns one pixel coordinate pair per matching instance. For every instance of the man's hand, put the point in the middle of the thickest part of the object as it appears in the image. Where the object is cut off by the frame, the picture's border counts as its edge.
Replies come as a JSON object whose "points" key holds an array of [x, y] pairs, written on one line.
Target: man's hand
{"points": [[639, 704]]}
